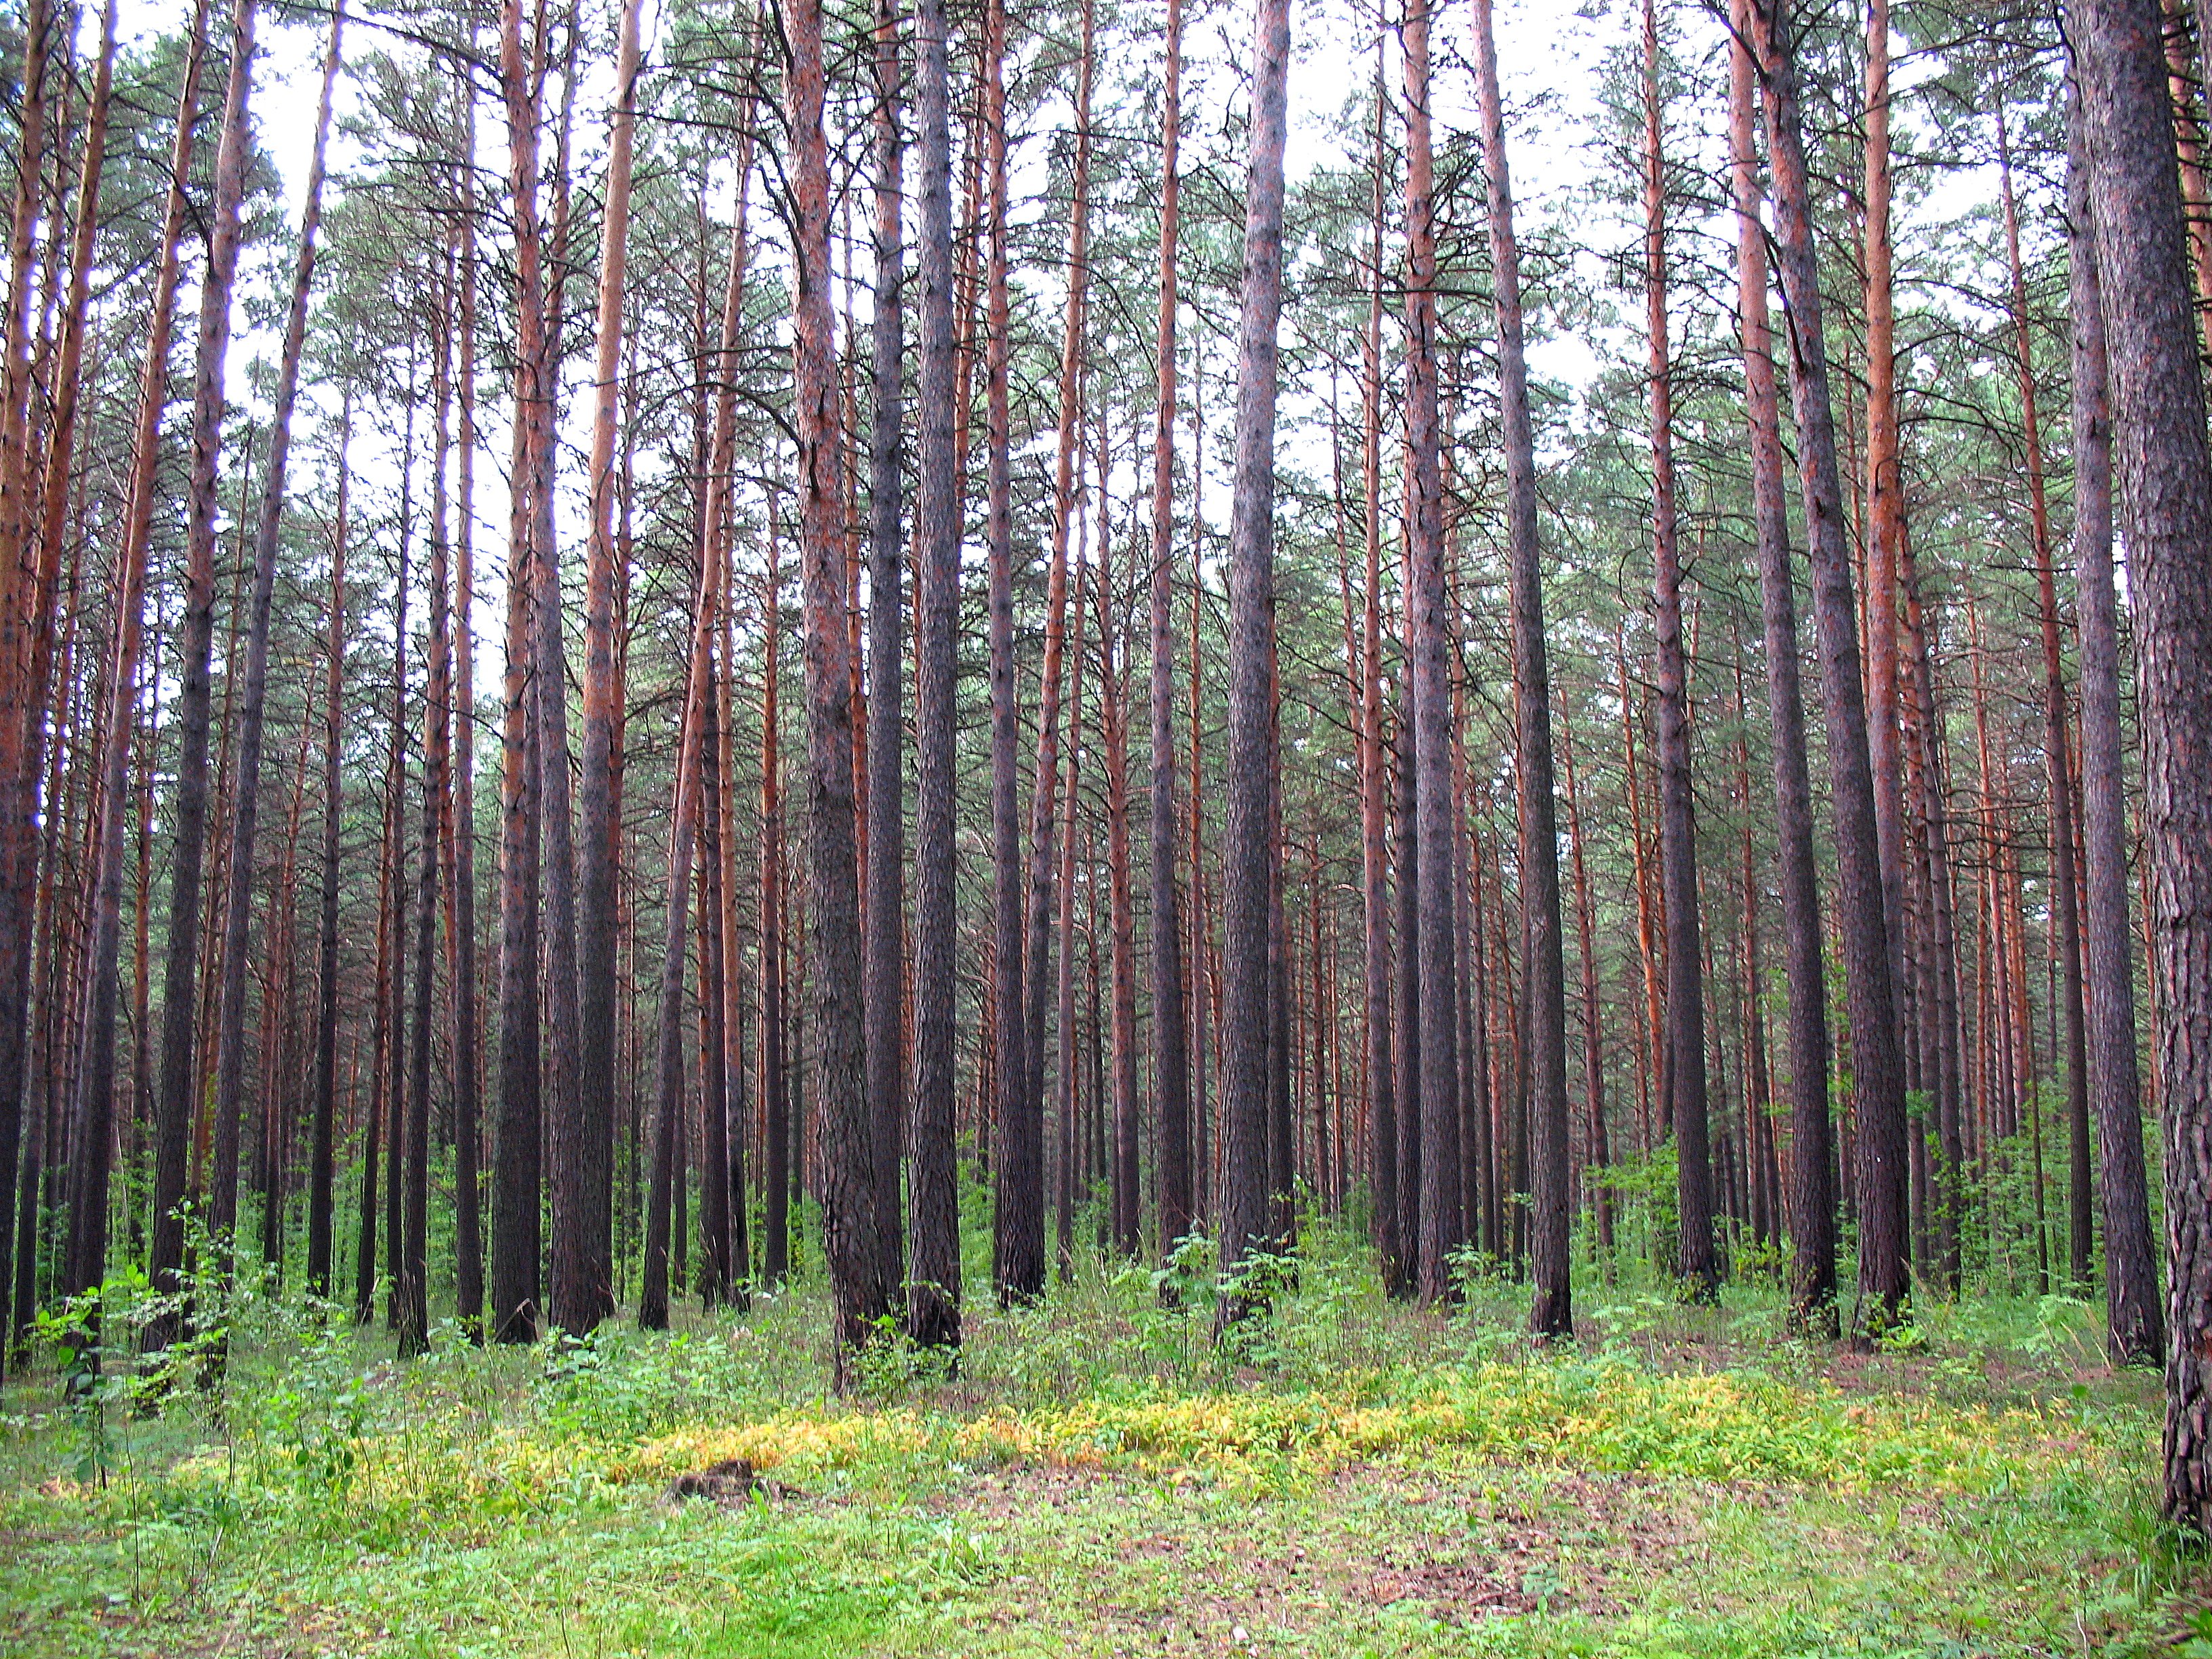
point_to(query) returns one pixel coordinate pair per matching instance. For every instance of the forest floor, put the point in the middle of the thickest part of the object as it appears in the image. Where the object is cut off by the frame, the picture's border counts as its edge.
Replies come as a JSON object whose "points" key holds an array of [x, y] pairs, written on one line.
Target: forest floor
{"points": [[1099, 1480]]}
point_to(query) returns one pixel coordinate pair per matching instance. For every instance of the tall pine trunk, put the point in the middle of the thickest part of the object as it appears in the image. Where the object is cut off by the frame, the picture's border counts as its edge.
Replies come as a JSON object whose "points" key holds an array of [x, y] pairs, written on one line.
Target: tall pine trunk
{"points": [[2166, 480], [1678, 831], [230, 1018], [1812, 1200], [846, 1174], [1171, 1061], [1020, 1239], [23, 736], [933, 1296], [1877, 1077], [175, 1091], [884, 985], [85, 1259], [1020, 1130], [1250, 850], [584, 1172], [1430, 629], [1544, 1043], [516, 1287], [322, 1151], [2132, 1315]]}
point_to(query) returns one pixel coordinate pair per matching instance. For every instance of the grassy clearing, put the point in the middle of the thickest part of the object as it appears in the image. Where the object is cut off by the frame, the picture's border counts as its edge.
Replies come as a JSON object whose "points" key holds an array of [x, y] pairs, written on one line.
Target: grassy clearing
{"points": [[1097, 1478]]}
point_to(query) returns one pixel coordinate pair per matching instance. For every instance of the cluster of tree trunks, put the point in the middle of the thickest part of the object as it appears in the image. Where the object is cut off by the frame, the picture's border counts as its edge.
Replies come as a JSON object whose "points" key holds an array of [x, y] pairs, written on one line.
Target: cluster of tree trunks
{"points": [[807, 1032]]}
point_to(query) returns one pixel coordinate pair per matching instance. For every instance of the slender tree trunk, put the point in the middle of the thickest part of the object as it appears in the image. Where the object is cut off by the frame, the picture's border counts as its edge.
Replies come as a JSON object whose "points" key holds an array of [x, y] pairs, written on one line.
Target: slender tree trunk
{"points": [[1374, 780], [174, 1096], [322, 1152], [1885, 486], [2058, 767], [414, 1252], [1020, 1241], [2132, 1315], [1406, 967], [885, 850], [709, 597], [580, 1294], [24, 734], [85, 1260], [775, 1097], [1171, 1059], [395, 891], [230, 1020], [932, 1299], [2166, 478], [583, 1175], [1811, 1196], [850, 1242], [1429, 647], [1545, 1043], [468, 1232], [1018, 1166], [1878, 1082], [516, 1244], [1250, 847], [1598, 1156], [713, 1277], [1678, 833], [1113, 719]]}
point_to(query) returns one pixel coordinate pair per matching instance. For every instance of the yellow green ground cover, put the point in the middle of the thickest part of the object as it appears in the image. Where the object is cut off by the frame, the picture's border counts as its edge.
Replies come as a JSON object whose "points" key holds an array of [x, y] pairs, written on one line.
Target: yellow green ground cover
{"points": [[1098, 1478]]}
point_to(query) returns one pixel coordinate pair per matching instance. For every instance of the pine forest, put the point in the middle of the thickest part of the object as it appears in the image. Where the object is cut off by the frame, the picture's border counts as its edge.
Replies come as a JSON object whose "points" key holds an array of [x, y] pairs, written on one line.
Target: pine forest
{"points": [[1200, 827]]}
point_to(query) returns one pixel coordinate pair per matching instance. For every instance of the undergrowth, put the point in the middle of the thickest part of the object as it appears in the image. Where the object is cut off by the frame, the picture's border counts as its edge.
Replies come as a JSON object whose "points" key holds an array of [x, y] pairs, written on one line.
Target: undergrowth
{"points": [[1096, 1473]]}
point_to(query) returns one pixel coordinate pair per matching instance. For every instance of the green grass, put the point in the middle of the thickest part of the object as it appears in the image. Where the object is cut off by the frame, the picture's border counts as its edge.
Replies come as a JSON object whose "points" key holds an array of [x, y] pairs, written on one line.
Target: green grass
{"points": [[1098, 1478]]}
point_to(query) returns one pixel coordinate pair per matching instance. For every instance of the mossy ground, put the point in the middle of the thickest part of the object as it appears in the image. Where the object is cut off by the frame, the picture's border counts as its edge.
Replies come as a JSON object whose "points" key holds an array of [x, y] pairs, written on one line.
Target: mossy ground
{"points": [[1098, 1478]]}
